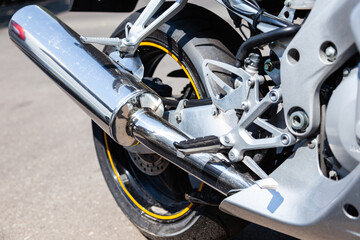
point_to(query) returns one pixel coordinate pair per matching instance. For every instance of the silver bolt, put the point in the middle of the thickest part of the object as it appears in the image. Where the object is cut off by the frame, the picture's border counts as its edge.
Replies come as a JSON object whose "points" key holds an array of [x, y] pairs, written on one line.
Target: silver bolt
{"points": [[272, 44], [330, 53], [234, 155], [178, 118], [287, 3], [312, 144], [238, 82], [285, 139], [244, 106], [333, 175], [346, 72], [251, 82], [299, 120], [227, 139], [274, 95]]}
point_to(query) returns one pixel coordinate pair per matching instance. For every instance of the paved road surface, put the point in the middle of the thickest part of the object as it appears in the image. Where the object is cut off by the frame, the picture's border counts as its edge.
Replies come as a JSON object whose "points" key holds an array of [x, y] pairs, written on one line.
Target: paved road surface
{"points": [[51, 185]]}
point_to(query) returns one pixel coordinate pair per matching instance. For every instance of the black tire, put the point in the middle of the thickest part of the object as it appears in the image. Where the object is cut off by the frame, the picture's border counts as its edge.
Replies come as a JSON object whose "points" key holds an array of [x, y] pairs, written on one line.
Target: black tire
{"points": [[190, 37]]}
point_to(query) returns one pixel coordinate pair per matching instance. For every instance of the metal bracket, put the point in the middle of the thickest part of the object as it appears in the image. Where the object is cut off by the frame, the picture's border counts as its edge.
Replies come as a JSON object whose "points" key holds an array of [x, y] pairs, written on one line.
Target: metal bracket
{"points": [[240, 138], [137, 32], [287, 13], [247, 98], [179, 108], [132, 64], [234, 98], [300, 4]]}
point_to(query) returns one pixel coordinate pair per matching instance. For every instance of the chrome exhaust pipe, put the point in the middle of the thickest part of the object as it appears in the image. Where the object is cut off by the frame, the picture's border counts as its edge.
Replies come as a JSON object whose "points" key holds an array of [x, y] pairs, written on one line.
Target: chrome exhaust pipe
{"points": [[124, 108], [104, 91]]}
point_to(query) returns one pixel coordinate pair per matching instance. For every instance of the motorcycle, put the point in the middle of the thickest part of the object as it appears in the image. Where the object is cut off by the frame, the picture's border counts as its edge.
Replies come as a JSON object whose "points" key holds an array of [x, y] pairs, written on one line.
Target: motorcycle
{"points": [[260, 121]]}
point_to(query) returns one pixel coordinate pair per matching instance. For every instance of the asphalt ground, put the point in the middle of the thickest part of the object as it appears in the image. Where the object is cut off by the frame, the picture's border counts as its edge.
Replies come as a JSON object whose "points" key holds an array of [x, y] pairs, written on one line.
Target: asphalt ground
{"points": [[51, 186]]}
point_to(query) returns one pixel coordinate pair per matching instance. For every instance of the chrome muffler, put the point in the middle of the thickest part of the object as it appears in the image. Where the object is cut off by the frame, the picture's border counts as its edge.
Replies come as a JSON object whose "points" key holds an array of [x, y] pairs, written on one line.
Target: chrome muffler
{"points": [[124, 108], [104, 91]]}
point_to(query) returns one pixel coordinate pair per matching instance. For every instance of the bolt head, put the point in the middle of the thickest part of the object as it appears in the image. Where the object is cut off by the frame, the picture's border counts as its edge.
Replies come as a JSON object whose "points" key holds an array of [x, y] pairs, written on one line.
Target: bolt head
{"points": [[251, 82], [312, 144], [285, 139], [268, 67], [274, 96], [178, 118], [227, 139], [330, 53], [238, 82], [234, 155], [244, 106], [346, 72]]}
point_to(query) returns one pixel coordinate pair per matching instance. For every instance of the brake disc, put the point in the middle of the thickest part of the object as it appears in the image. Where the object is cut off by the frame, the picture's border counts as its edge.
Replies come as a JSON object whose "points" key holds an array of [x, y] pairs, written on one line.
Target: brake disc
{"points": [[150, 164]]}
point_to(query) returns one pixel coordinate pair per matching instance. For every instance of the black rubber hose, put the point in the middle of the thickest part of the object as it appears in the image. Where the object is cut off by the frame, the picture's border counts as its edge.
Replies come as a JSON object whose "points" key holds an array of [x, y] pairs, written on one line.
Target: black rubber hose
{"points": [[261, 39]]}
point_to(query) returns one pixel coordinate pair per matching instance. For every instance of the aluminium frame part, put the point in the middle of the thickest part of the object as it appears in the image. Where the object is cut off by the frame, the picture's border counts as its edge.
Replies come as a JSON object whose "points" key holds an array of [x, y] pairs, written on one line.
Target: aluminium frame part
{"points": [[306, 204], [303, 74], [234, 98], [240, 138], [246, 97], [209, 124]]}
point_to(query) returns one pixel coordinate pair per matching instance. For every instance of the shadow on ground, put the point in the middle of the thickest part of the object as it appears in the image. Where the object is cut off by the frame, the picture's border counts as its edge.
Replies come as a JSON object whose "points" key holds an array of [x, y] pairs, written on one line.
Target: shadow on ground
{"points": [[8, 8], [256, 232]]}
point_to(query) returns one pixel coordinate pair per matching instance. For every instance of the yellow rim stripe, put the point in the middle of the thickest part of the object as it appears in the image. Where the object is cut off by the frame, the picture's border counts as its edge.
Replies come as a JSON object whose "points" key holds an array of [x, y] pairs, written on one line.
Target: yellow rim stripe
{"points": [[179, 214], [185, 210], [176, 59]]}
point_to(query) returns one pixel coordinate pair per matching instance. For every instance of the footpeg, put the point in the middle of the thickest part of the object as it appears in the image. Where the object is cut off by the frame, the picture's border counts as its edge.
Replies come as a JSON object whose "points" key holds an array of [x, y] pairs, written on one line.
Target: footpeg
{"points": [[115, 42], [209, 144]]}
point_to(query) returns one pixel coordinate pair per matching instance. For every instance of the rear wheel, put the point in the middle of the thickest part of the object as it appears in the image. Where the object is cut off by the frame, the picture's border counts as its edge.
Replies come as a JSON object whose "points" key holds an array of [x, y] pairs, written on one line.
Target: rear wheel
{"points": [[148, 189]]}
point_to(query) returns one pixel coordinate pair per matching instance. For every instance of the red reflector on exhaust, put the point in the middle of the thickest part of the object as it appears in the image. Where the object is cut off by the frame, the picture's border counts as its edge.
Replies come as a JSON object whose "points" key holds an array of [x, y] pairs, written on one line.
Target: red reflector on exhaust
{"points": [[18, 30]]}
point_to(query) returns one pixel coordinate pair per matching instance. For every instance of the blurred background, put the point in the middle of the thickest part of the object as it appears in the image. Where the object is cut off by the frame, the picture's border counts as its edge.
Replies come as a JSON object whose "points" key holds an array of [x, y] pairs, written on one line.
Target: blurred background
{"points": [[51, 186]]}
